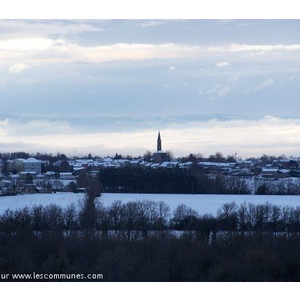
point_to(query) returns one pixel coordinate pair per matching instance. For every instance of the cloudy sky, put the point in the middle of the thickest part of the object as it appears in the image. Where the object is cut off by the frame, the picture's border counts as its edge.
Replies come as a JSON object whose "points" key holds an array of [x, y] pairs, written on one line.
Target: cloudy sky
{"points": [[104, 86]]}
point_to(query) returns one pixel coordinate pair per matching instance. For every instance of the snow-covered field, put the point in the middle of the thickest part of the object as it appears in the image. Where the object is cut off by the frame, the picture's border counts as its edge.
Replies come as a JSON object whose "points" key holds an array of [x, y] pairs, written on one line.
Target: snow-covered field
{"points": [[30, 200], [202, 203]]}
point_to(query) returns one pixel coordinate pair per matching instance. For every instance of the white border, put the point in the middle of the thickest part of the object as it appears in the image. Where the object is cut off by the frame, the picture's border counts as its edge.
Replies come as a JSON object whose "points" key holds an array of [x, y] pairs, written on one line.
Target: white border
{"points": [[151, 291], [141, 9]]}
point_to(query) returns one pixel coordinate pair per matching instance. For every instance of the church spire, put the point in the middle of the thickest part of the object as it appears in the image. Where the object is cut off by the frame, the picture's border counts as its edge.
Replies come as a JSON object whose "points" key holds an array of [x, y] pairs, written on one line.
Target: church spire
{"points": [[158, 142]]}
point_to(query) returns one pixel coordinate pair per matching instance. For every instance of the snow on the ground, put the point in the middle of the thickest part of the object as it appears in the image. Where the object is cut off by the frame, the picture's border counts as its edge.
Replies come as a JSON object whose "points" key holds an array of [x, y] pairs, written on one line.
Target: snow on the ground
{"points": [[30, 200], [201, 203]]}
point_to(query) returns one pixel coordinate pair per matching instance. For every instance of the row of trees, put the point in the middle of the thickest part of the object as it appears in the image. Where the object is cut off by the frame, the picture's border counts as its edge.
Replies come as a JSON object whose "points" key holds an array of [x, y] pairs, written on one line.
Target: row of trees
{"points": [[91, 216], [286, 187], [143, 216], [115, 241], [189, 181], [188, 257], [175, 181]]}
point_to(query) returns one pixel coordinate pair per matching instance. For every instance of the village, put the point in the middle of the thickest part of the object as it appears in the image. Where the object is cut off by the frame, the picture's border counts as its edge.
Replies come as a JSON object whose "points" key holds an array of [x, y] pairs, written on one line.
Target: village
{"points": [[32, 175]]}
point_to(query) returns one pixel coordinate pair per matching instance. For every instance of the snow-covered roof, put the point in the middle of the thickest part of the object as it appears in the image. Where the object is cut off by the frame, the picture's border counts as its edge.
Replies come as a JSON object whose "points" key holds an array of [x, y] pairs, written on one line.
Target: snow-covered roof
{"points": [[269, 170], [245, 161], [84, 161], [215, 164], [110, 165], [14, 176], [78, 168], [24, 173], [155, 165], [284, 160], [107, 159], [121, 161], [20, 159], [164, 164], [49, 173], [134, 161], [31, 160], [160, 152], [6, 181], [284, 171]]}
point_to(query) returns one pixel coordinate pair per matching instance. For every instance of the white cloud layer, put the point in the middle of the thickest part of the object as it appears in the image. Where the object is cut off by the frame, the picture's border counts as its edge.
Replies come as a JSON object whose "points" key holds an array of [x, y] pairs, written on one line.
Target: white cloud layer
{"points": [[222, 64], [151, 23], [255, 48], [44, 28], [46, 49], [16, 68], [269, 135]]}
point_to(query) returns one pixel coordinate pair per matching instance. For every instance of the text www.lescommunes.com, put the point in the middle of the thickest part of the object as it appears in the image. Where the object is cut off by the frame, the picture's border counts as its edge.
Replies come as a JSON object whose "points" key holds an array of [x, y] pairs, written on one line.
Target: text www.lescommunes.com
{"points": [[49, 276]]}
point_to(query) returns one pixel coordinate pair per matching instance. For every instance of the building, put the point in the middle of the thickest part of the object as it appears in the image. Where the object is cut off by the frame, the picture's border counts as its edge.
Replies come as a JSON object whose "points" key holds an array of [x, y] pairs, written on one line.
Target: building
{"points": [[32, 165], [269, 172], [16, 165], [160, 156], [275, 173], [66, 175]]}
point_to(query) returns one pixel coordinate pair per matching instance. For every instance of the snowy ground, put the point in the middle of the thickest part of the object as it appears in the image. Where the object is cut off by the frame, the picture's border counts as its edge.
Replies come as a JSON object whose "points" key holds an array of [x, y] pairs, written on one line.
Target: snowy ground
{"points": [[30, 200], [202, 203]]}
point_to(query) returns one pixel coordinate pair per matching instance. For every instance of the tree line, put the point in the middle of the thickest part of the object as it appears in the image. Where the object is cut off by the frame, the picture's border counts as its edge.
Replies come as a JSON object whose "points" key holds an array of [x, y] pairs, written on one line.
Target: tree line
{"points": [[173, 181], [130, 219], [288, 187], [145, 241]]}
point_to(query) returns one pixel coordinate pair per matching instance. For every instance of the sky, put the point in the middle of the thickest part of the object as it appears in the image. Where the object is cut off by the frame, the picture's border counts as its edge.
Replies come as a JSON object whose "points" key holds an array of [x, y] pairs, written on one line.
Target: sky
{"points": [[107, 86]]}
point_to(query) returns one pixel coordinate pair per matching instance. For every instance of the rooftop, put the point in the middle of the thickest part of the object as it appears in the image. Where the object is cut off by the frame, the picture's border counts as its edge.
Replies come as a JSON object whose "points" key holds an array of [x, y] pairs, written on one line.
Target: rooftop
{"points": [[31, 160]]}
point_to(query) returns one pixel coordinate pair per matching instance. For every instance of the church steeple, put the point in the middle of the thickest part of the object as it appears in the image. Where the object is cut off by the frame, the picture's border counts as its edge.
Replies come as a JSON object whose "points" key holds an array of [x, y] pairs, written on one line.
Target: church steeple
{"points": [[160, 156], [158, 142]]}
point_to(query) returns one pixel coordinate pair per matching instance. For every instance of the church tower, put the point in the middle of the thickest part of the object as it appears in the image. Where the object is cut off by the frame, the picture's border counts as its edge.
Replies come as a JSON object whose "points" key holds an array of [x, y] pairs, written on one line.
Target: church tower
{"points": [[158, 142], [160, 156]]}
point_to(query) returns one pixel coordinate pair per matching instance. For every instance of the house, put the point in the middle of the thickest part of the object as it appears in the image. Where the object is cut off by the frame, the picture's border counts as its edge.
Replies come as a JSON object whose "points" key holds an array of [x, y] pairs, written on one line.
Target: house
{"points": [[66, 175], [31, 164], [15, 165], [286, 163], [269, 172], [284, 173]]}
